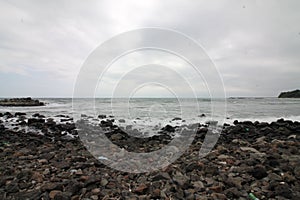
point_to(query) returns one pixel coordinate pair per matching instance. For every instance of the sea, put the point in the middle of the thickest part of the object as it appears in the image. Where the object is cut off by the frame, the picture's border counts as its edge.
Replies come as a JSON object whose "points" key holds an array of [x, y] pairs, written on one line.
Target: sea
{"points": [[151, 114]]}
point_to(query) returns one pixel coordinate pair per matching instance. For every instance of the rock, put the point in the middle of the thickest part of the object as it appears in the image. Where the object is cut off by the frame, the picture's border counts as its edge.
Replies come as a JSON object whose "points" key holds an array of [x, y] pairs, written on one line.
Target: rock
{"points": [[107, 123], [96, 191], [94, 197], [161, 176], [234, 182], [52, 186], [168, 128], [104, 182], [62, 196], [218, 196], [91, 180], [180, 179], [141, 189], [31, 195], [101, 116], [297, 172], [33, 121], [216, 188], [176, 119], [290, 94], [252, 150], [38, 177], [198, 185], [283, 190], [233, 193], [73, 187], [24, 175], [62, 165], [38, 115], [8, 115], [21, 102], [202, 115], [259, 172], [19, 114], [122, 120], [12, 187], [53, 193]]}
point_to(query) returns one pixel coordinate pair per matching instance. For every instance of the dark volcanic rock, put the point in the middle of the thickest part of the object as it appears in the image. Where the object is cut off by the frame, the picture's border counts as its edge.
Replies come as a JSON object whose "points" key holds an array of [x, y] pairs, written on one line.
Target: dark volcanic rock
{"points": [[258, 157], [290, 94], [259, 172], [168, 128], [21, 102]]}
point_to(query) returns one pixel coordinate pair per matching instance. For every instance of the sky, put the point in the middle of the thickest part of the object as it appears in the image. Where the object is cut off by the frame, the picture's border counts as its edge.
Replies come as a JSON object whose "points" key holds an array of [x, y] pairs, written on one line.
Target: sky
{"points": [[254, 45]]}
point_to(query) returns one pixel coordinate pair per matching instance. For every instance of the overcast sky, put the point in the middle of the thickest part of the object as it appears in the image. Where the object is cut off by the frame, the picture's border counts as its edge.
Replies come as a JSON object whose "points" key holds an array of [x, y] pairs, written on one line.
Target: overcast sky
{"points": [[255, 45]]}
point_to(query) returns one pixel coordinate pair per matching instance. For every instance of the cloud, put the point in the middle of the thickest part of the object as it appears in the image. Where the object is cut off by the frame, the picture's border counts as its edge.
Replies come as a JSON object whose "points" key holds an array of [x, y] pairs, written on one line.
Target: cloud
{"points": [[255, 44]]}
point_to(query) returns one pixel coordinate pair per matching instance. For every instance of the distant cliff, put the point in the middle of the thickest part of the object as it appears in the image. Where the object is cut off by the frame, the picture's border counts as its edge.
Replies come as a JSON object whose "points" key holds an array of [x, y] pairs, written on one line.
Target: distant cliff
{"points": [[290, 94]]}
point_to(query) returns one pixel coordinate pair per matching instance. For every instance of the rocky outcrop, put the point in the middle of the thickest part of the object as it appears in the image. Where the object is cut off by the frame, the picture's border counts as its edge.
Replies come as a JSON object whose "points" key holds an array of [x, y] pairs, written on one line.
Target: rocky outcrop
{"points": [[21, 102], [290, 94]]}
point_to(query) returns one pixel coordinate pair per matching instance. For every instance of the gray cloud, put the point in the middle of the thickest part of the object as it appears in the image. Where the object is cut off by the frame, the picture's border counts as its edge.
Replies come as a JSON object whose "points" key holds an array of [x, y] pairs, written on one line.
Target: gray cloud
{"points": [[255, 44]]}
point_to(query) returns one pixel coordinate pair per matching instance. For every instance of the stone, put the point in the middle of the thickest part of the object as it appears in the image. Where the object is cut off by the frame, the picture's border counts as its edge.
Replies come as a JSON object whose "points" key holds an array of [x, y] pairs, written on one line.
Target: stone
{"points": [[218, 196], [53, 193], [297, 172], [168, 128], [180, 179], [259, 172], [101, 116], [141, 189], [284, 190], [52, 186], [104, 182], [38, 177], [96, 191], [62, 196], [121, 120]]}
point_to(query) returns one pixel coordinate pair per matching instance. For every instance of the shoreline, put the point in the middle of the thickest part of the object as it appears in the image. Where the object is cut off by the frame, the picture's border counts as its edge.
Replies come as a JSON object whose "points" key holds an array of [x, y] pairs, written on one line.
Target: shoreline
{"points": [[45, 159]]}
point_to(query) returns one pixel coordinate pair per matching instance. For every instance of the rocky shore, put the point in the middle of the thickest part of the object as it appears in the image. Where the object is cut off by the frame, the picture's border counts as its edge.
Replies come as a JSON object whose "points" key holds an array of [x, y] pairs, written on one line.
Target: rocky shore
{"points": [[43, 158], [21, 102]]}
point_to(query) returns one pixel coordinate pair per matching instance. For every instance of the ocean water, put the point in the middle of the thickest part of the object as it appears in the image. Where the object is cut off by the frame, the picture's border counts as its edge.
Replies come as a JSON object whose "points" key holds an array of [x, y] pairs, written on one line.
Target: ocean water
{"points": [[147, 114]]}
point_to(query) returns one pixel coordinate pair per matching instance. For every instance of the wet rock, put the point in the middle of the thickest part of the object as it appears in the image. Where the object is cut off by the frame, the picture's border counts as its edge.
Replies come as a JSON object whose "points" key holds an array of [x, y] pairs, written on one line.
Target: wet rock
{"points": [[101, 116], [168, 128], [121, 120], [8, 115], [38, 115], [34, 121], [19, 114], [176, 119]]}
